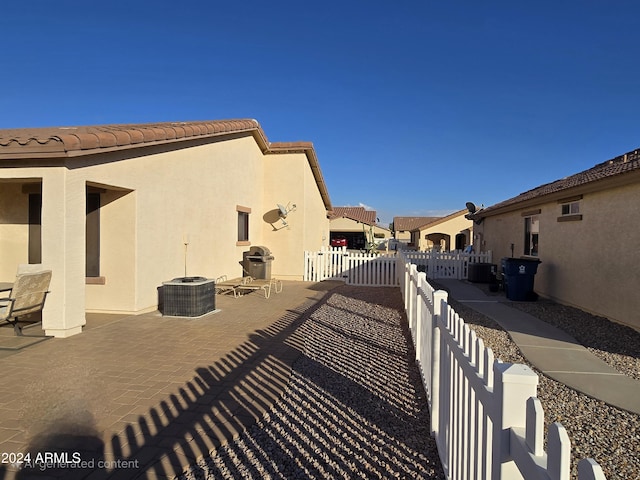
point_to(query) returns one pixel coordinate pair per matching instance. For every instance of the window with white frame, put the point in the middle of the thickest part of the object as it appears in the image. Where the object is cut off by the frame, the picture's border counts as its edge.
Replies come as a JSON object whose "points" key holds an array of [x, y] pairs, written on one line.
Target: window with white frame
{"points": [[570, 209], [531, 235]]}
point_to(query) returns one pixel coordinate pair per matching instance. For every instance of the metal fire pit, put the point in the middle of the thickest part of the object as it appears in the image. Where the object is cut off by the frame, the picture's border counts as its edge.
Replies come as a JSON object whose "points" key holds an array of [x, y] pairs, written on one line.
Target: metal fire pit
{"points": [[188, 296]]}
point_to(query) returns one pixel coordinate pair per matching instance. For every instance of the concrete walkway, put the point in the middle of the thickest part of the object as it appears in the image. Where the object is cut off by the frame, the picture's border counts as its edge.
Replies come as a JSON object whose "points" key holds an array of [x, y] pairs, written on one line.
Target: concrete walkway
{"points": [[552, 351]]}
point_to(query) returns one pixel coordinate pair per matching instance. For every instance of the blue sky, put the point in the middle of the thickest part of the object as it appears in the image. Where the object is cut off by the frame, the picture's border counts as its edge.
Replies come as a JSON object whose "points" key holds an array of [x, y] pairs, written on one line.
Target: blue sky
{"points": [[414, 107]]}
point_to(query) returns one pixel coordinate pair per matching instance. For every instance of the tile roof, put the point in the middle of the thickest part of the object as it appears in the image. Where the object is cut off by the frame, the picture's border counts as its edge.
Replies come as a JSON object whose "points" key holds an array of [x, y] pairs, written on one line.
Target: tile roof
{"points": [[359, 214], [71, 141], [67, 142], [614, 167], [402, 224], [439, 220]]}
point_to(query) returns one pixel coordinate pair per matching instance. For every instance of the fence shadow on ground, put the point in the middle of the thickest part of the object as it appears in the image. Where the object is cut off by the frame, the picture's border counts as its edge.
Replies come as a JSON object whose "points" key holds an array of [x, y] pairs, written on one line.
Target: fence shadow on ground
{"points": [[354, 407], [219, 402], [361, 426]]}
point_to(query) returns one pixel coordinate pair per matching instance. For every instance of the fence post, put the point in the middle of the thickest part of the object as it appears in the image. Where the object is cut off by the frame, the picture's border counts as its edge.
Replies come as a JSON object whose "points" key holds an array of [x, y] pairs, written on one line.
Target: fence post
{"points": [[439, 309], [559, 456], [417, 335], [588, 469], [407, 269], [513, 384]]}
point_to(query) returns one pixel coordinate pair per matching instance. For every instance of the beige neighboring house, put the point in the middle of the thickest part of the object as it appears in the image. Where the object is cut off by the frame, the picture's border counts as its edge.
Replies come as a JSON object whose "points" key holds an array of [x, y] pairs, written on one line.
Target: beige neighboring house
{"points": [[585, 229], [116, 210], [453, 232], [356, 224], [404, 226]]}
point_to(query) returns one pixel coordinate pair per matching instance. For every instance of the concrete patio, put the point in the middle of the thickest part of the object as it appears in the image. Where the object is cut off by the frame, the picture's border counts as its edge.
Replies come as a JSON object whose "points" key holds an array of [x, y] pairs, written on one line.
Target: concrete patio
{"points": [[145, 396]]}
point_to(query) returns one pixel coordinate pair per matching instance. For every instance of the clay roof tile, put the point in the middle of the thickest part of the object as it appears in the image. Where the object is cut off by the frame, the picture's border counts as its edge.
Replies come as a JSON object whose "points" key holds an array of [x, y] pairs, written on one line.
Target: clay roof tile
{"points": [[359, 214], [625, 163]]}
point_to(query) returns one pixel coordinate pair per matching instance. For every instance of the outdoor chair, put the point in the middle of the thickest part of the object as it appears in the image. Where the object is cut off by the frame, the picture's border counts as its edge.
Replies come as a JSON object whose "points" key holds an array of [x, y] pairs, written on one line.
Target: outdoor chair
{"points": [[27, 296], [224, 285], [236, 285], [259, 284]]}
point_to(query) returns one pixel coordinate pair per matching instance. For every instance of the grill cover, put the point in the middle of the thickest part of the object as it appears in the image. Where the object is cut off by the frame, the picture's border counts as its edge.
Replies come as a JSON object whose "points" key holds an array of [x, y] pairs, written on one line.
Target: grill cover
{"points": [[259, 253], [257, 262]]}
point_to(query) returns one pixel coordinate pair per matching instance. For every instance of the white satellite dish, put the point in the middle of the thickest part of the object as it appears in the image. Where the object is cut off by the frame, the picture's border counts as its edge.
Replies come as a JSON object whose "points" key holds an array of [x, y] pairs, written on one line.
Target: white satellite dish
{"points": [[283, 211]]}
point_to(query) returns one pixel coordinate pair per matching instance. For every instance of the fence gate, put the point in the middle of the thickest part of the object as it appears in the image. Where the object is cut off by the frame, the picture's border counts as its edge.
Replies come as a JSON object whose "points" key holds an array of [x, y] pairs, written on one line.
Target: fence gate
{"points": [[352, 268], [327, 264]]}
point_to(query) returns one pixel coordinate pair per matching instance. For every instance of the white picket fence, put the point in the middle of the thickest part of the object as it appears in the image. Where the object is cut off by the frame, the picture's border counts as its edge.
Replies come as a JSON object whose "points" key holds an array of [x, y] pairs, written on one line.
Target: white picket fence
{"points": [[380, 269], [446, 264], [352, 267], [485, 417]]}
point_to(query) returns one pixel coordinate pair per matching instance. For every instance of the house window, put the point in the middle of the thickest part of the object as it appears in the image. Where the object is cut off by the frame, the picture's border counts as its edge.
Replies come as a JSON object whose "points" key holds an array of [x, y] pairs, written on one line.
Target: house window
{"points": [[93, 235], [571, 208], [243, 225], [35, 228], [531, 235]]}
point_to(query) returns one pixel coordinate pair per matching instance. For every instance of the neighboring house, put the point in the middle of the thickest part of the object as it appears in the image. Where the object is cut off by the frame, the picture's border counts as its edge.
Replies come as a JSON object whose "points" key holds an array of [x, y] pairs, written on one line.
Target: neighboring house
{"points": [[357, 225], [116, 210], [452, 232], [585, 230], [403, 226]]}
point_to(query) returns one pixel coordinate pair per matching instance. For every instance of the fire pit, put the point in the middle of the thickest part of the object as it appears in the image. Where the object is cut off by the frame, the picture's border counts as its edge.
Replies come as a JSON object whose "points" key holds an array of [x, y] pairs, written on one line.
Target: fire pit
{"points": [[188, 296]]}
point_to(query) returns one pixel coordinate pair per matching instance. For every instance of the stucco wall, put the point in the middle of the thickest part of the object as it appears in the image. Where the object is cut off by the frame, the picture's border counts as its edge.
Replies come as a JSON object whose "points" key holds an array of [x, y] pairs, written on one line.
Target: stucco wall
{"points": [[288, 181], [343, 224], [177, 197], [153, 200], [592, 263], [450, 227]]}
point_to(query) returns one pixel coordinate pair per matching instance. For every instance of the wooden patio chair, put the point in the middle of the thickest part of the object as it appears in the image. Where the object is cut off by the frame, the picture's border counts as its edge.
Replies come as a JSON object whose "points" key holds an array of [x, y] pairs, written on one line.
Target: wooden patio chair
{"points": [[27, 296]]}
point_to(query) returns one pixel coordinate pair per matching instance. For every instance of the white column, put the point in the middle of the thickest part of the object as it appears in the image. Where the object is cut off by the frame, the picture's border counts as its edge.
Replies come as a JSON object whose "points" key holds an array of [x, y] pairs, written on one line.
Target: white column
{"points": [[63, 250]]}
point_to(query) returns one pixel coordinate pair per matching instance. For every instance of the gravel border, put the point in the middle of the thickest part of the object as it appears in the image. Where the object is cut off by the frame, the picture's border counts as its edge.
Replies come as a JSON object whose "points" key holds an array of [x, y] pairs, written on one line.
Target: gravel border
{"points": [[355, 407]]}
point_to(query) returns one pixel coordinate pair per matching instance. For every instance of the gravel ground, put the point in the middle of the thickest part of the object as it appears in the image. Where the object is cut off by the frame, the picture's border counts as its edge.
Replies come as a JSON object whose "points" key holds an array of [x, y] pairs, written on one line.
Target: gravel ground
{"points": [[609, 435], [355, 407]]}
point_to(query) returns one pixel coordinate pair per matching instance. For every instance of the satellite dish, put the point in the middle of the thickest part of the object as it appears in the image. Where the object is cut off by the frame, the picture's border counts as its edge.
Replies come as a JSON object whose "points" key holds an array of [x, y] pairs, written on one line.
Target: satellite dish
{"points": [[471, 207], [283, 211]]}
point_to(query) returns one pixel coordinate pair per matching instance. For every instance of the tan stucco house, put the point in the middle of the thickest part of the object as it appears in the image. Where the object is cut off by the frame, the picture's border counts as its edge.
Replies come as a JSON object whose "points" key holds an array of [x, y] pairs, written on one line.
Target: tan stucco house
{"points": [[116, 210], [404, 226], [585, 229], [358, 225], [453, 232]]}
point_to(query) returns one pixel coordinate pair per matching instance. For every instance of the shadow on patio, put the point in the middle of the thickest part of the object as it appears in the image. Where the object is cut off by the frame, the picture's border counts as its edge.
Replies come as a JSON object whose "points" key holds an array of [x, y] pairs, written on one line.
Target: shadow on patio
{"points": [[340, 415]]}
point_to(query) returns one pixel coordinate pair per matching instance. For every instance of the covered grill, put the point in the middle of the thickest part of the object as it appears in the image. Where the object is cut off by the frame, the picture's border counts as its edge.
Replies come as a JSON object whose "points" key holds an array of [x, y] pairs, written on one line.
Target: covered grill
{"points": [[257, 262]]}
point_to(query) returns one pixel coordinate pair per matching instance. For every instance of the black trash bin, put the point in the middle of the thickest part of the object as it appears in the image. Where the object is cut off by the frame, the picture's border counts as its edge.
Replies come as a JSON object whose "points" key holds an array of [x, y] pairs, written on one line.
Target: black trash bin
{"points": [[519, 275], [482, 272]]}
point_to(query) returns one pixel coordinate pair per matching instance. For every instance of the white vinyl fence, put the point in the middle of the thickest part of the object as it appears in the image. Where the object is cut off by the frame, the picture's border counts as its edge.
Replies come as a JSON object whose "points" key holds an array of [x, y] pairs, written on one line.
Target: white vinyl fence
{"points": [[379, 269], [485, 417], [353, 268], [446, 264]]}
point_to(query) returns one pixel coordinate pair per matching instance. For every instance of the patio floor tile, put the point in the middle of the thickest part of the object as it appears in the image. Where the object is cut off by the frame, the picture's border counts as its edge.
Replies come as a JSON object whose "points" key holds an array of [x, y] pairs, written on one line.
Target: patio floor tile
{"points": [[150, 390]]}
